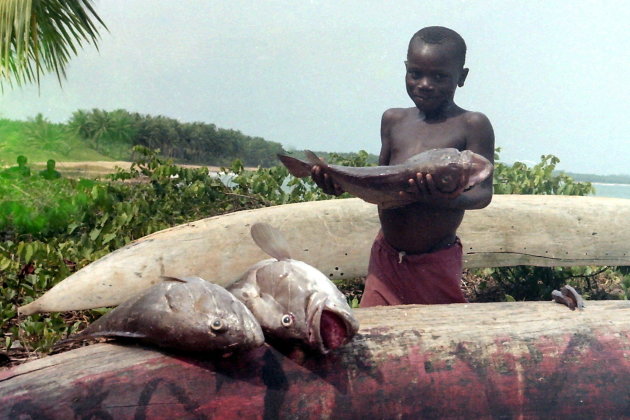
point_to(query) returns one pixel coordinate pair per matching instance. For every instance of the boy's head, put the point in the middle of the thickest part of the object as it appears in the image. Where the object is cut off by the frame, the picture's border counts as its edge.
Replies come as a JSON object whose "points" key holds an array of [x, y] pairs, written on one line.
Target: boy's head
{"points": [[435, 68], [439, 35]]}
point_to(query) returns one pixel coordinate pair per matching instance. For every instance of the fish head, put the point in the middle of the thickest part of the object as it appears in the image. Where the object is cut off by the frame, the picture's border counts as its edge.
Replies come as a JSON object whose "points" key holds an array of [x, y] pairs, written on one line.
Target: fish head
{"points": [[448, 169], [296, 304], [210, 317], [478, 167], [452, 169]]}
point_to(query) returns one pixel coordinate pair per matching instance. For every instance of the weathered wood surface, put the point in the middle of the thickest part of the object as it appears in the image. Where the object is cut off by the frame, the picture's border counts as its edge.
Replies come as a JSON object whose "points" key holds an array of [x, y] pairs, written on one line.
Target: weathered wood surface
{"points": [[335, 236], [493, 360]]}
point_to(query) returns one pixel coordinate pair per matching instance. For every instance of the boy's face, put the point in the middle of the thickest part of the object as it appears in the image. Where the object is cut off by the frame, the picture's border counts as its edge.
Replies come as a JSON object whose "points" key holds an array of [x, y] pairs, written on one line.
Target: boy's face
{"points": [[433, 73]]}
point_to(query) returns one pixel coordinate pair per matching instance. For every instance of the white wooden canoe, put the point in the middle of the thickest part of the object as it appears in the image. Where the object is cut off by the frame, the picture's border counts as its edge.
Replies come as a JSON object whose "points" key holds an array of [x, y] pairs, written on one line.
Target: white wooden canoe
{"points": [[335, 236]]}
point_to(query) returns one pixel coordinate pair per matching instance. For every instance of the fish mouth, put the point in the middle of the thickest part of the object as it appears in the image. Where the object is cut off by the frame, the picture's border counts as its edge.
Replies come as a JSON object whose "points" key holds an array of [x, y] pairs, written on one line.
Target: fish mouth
{"points": [[329, 327]]}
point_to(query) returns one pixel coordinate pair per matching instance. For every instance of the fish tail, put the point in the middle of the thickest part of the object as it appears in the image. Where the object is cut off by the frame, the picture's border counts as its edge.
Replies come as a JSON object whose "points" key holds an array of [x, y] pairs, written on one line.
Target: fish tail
{"points": [[270, 240], [296, 167]]}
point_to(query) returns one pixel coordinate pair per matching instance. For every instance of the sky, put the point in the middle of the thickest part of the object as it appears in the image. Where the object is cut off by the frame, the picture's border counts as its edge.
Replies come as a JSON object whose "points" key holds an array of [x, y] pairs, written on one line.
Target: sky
{"points": [[550, 76]]}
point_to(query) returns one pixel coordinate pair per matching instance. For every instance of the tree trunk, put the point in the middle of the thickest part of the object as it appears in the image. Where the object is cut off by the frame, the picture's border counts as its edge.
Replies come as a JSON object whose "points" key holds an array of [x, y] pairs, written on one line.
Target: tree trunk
{"points": [[487, 360]]}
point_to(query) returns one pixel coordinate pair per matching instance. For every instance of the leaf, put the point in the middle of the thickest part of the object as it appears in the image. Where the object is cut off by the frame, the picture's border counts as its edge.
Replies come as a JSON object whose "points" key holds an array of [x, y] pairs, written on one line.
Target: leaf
{"points": [[94, 233], [108, 237], [28, 253], [38, 36], [5, 263]]}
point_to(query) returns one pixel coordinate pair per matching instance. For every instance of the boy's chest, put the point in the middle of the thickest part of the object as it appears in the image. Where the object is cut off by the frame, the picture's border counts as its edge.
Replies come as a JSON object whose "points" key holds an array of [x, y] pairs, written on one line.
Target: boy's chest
{"points": [[408, 139]]}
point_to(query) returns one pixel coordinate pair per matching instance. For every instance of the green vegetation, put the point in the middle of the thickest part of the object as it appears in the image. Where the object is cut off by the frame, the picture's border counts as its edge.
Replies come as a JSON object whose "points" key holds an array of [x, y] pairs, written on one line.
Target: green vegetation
{"points": [[40, 140]]}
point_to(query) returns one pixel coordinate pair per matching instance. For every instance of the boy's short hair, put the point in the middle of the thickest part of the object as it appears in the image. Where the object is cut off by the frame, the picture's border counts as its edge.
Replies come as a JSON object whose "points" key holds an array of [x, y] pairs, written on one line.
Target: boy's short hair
{"points": [[440, 35]]}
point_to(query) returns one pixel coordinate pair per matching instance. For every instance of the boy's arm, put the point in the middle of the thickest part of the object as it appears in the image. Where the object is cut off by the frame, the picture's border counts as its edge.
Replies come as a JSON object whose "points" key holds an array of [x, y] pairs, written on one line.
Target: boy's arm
{"points": [[479, 139], [387, 120]]}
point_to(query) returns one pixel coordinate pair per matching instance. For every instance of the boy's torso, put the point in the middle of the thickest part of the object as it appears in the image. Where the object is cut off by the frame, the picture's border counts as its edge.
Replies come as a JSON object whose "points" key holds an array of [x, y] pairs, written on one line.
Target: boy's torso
{"points": [[419, 228], [410, 135]]}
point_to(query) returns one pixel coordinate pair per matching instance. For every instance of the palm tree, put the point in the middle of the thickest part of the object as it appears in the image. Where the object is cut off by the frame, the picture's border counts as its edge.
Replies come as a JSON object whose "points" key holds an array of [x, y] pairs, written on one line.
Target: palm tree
{"points": [[38, 36]]}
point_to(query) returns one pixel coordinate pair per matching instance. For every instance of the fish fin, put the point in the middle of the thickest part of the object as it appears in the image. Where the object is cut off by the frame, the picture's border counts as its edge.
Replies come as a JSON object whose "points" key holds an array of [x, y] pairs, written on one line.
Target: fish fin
{"points": [[270, 240], [171, 278], [313, 159], [86, 335], [296, 167], [123, 334]]}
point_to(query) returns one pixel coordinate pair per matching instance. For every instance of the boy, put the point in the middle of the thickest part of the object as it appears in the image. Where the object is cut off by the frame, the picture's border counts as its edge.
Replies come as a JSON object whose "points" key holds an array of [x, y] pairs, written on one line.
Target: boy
{"points": [[417, 257]]}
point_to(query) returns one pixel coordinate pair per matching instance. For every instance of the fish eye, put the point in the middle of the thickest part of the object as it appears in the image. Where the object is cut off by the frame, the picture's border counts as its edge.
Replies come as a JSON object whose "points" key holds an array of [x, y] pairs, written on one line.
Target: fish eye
{"points": [[286, 320], [217, 325]]}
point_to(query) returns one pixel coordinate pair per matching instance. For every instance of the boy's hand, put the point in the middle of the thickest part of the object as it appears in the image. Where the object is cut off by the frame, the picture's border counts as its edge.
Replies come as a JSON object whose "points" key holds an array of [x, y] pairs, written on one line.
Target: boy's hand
{"points": [[425, 188], [325, 182]]}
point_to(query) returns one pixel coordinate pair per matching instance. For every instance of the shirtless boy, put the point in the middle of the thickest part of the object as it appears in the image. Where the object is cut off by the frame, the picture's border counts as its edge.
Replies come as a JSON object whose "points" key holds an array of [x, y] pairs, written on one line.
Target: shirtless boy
{"points": [[417, 257]]}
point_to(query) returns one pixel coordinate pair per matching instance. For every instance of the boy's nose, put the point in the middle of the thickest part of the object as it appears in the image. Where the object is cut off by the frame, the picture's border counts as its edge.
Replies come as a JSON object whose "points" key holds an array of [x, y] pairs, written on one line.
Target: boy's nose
{"points": [[424, 83]]}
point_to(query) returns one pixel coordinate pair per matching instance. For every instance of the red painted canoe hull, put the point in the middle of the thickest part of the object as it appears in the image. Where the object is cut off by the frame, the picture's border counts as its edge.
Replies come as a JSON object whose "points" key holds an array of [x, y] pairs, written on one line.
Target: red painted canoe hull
{"points": [[388, 371]]}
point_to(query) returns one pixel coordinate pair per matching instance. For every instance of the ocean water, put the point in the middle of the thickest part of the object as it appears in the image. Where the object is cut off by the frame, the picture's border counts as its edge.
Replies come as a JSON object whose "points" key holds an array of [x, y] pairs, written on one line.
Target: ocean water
{"points": [[611, 190]]}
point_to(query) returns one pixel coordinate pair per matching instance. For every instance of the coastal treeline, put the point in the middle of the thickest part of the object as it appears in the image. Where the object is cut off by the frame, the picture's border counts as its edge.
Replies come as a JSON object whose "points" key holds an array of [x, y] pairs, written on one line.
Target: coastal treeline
{"points": [[114, 133], [99, 134]]}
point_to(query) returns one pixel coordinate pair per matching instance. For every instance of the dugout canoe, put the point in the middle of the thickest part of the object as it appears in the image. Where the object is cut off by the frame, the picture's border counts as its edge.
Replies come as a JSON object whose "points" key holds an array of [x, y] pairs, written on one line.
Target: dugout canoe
{"points": [[487, 360], [335, 236]]}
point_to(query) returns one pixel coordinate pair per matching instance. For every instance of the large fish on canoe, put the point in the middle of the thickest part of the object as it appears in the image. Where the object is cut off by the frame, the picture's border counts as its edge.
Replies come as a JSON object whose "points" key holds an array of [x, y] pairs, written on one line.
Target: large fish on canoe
{"points": [[187, 313], [293, 301], [449, 168]]}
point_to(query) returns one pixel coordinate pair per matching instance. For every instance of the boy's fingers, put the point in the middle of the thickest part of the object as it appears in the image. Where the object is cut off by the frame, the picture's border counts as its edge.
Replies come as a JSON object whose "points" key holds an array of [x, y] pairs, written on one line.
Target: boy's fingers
{"points": [[430, 184], [325, 181], [424, 184]]}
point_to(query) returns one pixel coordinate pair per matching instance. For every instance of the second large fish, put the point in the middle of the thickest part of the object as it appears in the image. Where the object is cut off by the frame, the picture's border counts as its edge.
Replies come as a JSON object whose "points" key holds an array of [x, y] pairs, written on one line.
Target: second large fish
{"points": [[293, 301], [449, 168]]}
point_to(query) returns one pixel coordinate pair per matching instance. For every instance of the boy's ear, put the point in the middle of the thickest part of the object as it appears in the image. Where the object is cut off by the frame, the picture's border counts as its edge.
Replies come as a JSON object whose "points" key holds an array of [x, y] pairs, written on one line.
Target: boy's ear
{"points": [[462, 77]]}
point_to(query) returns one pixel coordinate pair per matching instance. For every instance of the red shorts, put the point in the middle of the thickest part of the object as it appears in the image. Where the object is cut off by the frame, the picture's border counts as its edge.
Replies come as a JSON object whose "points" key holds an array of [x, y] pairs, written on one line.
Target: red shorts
{"points": [[395, 278]]}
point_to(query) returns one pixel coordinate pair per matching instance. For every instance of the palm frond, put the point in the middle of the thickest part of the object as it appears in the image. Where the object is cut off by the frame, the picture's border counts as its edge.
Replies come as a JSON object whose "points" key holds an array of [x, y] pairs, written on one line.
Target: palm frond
{"points": [[41, 36]]}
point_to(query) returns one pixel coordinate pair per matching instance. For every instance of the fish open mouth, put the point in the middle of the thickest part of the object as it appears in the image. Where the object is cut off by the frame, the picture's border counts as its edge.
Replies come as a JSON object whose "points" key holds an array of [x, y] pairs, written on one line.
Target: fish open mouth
{"points": [[328, 327], [333, 330]]}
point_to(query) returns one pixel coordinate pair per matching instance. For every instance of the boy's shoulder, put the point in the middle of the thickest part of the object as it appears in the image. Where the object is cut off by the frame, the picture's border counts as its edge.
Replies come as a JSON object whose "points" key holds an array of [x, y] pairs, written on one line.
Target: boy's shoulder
{"points": [[396, 115], [475, 118]]}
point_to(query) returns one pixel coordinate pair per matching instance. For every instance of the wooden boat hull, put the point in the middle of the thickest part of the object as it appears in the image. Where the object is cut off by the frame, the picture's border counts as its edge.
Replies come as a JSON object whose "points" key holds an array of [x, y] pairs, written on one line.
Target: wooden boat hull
{"points": [[493, 360], [335, 236]]}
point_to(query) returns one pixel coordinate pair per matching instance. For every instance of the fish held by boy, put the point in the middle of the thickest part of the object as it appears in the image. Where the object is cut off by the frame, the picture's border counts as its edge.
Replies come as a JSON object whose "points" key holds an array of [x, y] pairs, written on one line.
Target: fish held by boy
{"points": [[450, 169], [293, 301], [188, 314]]}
